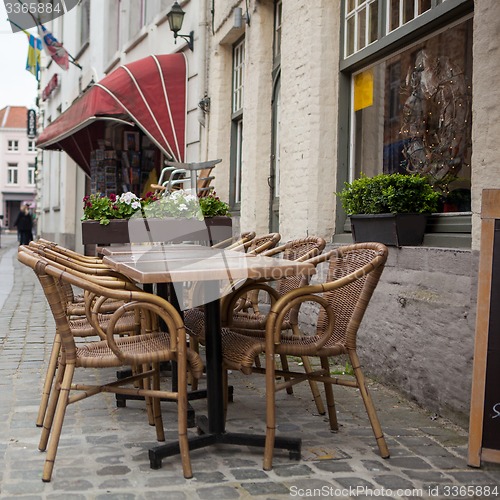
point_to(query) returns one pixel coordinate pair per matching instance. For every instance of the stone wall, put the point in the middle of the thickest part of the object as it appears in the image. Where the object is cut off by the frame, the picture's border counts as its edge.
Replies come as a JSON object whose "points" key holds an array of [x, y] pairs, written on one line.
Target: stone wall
{"points": [[485, 105]]}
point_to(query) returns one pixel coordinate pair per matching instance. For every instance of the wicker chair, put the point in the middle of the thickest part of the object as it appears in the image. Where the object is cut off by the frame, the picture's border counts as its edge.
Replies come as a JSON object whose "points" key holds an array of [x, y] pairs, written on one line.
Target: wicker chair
{"points": [[81, 321], [353, 274], [241, 243], [146, 349], [79, 262], [252, 321]]}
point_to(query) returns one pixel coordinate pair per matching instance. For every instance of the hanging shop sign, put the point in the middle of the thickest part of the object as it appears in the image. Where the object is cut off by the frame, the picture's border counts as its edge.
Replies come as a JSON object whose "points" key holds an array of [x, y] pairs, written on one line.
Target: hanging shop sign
{"points": [[51, 87], [31, 124]]}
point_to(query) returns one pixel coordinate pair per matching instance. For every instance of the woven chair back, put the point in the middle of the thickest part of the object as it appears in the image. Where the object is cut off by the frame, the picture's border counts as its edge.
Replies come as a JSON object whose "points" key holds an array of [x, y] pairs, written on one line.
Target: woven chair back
{"points": [[262, 243], [349, 302]]}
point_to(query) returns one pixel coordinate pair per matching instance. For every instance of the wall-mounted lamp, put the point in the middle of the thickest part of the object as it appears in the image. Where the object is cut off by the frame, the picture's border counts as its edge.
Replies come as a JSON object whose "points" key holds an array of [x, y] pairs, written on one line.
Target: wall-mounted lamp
{"points": [[175, 18]]}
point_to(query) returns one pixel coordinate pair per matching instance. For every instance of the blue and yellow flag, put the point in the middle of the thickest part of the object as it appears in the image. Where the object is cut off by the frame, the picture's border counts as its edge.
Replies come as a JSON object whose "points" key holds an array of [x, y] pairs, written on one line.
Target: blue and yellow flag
{"points": [[33, 59]]}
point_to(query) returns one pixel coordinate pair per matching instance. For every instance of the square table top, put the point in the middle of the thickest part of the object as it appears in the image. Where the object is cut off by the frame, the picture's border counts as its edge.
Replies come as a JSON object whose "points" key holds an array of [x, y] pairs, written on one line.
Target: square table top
{"points": [[174, 263]]}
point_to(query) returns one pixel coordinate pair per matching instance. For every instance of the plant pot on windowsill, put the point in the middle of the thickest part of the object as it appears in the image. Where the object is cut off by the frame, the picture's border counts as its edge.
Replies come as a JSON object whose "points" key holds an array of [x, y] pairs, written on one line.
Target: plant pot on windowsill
{"points": [[390, 229], [389, 209]]}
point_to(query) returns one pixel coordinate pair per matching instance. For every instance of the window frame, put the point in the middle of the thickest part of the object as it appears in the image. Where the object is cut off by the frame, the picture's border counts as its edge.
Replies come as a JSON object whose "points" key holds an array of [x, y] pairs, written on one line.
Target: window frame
{"points": [[12, 171], [84, 23], [237, 99], [31, 146], [441, 16], [13, 145], [31, 171]]}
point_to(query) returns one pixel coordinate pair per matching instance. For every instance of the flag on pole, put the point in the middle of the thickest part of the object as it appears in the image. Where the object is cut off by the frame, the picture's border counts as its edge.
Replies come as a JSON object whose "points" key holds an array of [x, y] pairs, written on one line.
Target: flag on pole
{"points": [[33, 59], [54, 48]]}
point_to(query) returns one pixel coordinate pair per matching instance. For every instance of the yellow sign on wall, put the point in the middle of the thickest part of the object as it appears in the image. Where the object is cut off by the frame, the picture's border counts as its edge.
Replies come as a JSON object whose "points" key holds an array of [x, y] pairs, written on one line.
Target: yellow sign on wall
{"points": [[363, 90]]}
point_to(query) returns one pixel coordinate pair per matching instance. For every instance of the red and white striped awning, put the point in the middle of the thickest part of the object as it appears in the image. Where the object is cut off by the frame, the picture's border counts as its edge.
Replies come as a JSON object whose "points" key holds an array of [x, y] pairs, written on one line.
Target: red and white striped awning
{"points": [[149, 93]]}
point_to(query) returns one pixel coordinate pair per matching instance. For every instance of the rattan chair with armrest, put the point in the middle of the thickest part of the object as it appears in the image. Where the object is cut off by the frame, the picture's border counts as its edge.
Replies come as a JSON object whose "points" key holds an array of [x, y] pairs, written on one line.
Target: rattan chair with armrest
{"points": [[353, 274], [81, 321], [149, 347], [242, 312], [252, 322], [89, 265]]}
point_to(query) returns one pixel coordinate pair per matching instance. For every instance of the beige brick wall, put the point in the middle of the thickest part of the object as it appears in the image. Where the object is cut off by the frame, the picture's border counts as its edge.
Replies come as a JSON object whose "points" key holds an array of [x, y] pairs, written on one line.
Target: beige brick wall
{"points": [[485, 105], [309, 117]]}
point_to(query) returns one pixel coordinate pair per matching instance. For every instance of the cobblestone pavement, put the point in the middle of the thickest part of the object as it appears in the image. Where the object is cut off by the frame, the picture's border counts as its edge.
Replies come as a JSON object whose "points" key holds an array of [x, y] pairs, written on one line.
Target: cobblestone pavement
{"points": [[103, 452]]}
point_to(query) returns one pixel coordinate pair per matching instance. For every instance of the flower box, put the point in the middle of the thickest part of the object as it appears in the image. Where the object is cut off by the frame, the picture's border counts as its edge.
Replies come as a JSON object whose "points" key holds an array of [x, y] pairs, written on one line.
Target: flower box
{"points": [[169, 229]]}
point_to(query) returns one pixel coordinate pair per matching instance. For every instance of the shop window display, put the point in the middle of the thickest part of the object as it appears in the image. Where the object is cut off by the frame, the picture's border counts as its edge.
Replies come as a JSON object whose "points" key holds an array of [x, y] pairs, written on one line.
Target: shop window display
{"points": [[412, 114]]}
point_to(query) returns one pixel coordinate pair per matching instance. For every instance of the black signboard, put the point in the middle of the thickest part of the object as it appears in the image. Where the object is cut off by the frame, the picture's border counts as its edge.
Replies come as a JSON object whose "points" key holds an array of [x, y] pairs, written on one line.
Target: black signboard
{"points": [[491, 417]]}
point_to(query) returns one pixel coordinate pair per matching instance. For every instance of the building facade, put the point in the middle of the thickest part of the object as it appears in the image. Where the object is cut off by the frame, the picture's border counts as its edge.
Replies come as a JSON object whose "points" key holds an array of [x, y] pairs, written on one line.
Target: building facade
{"points": [[297, 98], [102, 36], [18, 164]]}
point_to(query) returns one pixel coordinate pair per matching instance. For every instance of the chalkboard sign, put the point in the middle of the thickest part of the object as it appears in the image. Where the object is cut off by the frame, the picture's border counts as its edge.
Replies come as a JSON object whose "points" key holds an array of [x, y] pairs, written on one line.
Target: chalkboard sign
{"points": [[484, 426]]}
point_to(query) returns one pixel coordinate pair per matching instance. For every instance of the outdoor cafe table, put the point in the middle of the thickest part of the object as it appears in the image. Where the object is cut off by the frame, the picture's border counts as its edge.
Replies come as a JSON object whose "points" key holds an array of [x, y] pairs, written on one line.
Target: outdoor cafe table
{"points": [[175, 264]]}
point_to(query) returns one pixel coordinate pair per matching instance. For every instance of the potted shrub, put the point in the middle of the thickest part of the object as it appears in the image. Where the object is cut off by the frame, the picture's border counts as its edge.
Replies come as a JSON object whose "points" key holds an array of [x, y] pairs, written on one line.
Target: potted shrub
{"points": [[179, 216], [389, 208]]}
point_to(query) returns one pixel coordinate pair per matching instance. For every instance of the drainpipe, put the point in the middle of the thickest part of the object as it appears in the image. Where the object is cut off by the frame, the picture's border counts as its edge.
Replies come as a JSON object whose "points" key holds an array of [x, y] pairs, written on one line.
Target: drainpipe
{"points": [[201, 50]]}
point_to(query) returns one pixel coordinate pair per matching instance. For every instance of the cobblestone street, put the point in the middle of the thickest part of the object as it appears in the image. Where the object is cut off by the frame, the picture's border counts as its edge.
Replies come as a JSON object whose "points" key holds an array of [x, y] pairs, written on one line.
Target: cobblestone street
{"points": [[103, 451]]}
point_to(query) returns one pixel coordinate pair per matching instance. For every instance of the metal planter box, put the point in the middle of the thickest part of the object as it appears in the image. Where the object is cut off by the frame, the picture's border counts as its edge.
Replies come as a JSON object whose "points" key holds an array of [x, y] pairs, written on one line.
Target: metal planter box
{"points": [[391, 229], [209, 231]]}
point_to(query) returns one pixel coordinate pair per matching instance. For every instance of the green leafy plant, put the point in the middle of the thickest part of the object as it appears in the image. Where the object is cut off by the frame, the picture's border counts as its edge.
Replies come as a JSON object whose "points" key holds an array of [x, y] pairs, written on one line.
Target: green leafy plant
{"points": [[389, 193], [212, 206]]}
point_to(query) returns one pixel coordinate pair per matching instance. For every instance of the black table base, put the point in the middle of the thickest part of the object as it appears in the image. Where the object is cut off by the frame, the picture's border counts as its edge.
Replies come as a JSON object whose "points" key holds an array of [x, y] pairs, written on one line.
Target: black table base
{"points": [[293, 445]]}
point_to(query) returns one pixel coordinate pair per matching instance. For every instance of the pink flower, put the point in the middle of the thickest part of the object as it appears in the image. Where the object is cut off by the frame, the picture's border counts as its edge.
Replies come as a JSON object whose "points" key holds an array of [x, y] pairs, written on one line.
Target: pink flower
{"points": [[112, 197]]}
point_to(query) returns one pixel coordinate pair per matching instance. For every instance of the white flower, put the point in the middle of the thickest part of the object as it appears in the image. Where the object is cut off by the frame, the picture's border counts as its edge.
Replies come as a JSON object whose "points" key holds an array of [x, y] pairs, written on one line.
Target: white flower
{"points": [[135, 205], [128, 198], [183, 206]]}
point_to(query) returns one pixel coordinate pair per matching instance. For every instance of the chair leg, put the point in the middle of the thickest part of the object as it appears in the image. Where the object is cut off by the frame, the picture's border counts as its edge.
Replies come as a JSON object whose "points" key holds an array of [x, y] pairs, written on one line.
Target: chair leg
{"points": [[370, 408], [149, 403], [314, 386], [330, 400], [62, 404], [49, 379], [182, 407], [156, 406], [286, 368], [51, 407], [195, 346], [270, 411]]}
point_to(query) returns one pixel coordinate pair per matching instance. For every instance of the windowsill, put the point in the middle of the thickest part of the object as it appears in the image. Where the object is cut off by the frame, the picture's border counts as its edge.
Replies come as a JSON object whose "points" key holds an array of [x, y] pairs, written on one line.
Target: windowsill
{"points": [[138, 38], [113, 63], [82, 50]]}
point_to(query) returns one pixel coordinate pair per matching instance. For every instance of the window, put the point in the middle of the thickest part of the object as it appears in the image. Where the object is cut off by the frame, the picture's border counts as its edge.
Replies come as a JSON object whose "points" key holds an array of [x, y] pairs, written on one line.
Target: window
{"points": [[363, 18], [12, 173], [84, 22], [13, 145], [411, 113], [151, 8], [31, 146], [31, 174], [237, 122], [238, 70], [278, 17], [361, 25], [404, 11], [136, 17], [113, 28]]}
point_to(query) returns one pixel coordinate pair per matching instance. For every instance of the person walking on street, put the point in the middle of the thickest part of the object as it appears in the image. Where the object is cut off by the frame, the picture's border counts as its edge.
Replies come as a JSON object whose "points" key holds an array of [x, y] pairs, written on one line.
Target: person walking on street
{"points": [[24, 224]]}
